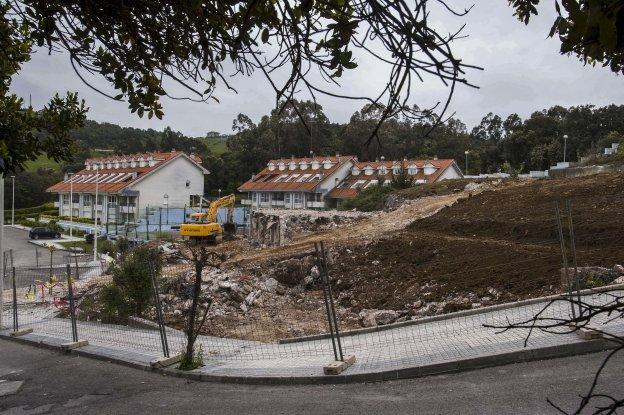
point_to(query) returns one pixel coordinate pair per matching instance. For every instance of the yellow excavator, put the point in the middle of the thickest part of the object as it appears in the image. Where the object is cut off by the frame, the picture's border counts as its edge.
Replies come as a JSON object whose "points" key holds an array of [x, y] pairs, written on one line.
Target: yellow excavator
{"points": [[203, 226]]}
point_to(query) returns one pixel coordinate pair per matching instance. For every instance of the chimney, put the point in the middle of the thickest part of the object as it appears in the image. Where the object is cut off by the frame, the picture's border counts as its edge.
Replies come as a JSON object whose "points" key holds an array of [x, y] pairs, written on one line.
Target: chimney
{"points": [[382, 158], [435, 157]]}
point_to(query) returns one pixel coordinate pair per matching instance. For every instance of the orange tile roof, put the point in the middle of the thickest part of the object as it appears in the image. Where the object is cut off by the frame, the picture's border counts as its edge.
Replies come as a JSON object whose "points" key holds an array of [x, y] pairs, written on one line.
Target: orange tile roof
{"points": [[113, 180], [345, 190], [273, 180]]}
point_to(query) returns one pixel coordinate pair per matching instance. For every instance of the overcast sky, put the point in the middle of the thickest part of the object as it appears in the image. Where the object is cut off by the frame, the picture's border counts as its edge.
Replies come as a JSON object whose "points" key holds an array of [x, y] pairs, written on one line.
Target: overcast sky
{"points": [[523, 72]]}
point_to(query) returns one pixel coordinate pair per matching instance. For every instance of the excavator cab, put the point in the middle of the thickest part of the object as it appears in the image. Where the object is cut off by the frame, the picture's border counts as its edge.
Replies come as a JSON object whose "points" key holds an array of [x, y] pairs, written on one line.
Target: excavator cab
{"points": [[203, 226]]}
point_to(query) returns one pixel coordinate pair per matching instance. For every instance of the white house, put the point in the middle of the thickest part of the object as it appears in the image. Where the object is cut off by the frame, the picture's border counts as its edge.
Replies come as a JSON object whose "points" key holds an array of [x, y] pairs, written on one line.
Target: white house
{"points": [[128, 184]]}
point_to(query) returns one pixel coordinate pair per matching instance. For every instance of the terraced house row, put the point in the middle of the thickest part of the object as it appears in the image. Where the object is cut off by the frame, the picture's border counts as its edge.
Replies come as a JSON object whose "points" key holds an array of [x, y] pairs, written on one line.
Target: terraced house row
{"points": [[325, 182]]}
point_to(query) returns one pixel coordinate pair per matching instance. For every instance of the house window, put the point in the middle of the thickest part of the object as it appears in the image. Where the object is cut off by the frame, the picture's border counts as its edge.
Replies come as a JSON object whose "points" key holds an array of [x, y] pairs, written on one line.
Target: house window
{"points": [[368, 170], [382, 170], [355, 171], [287, 198], [279, 197], [65, 199], [412, 170], [76, 198], [264, 197], [112, 200], [358, 184], [100, 200], [317, 197], [297, 198], [86, 200], [254, 196]]}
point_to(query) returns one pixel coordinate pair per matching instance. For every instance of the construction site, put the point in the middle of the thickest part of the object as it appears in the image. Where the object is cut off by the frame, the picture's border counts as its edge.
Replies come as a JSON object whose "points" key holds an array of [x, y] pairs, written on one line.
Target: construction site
{"points": [[456, 245]]}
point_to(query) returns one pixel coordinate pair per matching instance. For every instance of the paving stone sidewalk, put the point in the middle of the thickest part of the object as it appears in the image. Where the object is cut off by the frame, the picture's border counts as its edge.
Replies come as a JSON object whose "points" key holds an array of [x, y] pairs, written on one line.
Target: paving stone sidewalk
{"points": [[460, 342]]}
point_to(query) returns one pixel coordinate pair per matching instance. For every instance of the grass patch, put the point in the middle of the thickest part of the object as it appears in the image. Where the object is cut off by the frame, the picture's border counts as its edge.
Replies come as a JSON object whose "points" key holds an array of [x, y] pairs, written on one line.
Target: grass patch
{"points": [[42, 162]]}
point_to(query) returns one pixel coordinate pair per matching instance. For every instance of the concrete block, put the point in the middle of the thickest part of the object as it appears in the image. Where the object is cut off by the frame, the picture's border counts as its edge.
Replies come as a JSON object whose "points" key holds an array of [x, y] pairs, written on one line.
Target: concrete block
{"points": [[337, 367], [21, 332], [165, 361], [587, 333], [74, 345]]}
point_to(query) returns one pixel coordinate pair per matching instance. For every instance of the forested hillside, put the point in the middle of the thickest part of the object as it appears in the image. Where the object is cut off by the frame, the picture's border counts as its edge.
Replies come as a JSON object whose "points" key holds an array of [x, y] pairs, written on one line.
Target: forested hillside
{"points": [[531, 144]]}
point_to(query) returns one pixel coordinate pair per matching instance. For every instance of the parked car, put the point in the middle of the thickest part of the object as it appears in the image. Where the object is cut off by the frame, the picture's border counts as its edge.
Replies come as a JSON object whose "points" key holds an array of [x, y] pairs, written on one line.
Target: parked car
{"points": [[37, 233]]}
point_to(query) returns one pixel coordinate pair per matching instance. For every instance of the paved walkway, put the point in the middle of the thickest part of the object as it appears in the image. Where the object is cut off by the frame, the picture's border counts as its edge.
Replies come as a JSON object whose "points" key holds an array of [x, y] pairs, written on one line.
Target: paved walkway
{"points": [[400, 351]]}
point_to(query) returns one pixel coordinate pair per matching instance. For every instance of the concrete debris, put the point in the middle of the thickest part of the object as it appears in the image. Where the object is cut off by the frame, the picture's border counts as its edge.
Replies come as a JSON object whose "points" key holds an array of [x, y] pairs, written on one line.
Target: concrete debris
{"points": [[589, 277], [372, 318]]}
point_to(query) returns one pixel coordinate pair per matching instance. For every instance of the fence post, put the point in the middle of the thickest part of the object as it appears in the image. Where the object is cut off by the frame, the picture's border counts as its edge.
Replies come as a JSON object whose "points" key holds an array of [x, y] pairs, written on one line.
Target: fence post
{"points": [[574, 262], [72, 308], [329, 301], [564, 257], [159, 221], [15, 320], [147, 221], [159, 316]]}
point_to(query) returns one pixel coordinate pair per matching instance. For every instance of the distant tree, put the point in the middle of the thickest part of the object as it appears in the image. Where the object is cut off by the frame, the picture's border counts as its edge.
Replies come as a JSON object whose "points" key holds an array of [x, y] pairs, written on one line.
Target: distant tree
{"points": [[591, 30]]}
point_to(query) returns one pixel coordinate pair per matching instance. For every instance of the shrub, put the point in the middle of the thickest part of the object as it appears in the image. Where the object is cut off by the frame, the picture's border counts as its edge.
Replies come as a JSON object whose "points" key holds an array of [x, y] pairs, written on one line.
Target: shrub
{"points": [[115, 306], [369, 199], [106, 246], [133, 279]]}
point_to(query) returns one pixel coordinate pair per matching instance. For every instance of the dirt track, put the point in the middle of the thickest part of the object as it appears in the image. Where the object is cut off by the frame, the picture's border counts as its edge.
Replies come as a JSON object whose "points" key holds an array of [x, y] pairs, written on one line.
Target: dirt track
{"points": [[368, 229]]}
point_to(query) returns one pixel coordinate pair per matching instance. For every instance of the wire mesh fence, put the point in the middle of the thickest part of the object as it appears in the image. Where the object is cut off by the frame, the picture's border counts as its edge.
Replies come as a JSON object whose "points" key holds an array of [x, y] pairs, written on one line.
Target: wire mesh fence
{"points": [[429, 290]]}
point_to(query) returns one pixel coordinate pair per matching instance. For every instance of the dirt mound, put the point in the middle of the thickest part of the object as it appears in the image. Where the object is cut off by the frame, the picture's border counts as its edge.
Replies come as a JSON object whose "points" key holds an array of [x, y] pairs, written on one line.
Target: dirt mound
{"points": [[488, 248]]}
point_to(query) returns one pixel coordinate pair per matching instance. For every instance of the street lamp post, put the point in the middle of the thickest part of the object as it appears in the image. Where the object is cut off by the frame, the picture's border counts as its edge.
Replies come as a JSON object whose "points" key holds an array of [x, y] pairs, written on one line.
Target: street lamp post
{"points": [[565, 145], [1, 248], [166, 203], [466, 153], [71, 204], [13, 203], [97, 233]]}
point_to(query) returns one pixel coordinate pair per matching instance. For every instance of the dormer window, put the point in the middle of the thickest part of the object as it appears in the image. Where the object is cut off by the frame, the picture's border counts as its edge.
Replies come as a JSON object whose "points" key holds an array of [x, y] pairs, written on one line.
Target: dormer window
{"points": [[101, 166], [88, 166], [133, 163], [109, 165], [355, 171], [327, 164], [116, 164], [368, 170], [382, 170], [316, 165], [292, 165], [303, 165], [271, 166], [141, 162], [124, 164], [281, 166], [151, 162], [396, 170], [412, 169], [429, 169]]}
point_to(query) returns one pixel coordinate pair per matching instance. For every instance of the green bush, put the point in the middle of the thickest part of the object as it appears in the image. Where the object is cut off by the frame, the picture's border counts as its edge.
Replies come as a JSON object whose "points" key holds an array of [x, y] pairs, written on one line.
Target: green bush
{"points": [[132, 285], [369, 200], [115, 306], [105, 246]]}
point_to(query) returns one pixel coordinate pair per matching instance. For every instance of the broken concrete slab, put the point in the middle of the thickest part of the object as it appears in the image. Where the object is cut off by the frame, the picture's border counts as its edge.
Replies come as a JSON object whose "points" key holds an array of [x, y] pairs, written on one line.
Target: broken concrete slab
{"points": [[10, 388]]}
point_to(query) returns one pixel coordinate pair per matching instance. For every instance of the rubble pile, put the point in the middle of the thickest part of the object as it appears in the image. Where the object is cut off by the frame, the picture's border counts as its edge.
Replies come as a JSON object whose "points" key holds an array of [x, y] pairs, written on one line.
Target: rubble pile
{"points": [[278, 227]]}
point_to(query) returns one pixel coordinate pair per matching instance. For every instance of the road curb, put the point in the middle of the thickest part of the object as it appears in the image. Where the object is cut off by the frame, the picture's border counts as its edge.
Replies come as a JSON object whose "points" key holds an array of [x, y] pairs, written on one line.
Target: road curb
{"points": [[142, 361]]}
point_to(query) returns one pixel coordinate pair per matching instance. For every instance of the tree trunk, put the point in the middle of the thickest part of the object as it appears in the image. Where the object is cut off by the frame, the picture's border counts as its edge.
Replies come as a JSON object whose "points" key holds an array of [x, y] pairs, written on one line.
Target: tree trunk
{"points": [[190, 329]]}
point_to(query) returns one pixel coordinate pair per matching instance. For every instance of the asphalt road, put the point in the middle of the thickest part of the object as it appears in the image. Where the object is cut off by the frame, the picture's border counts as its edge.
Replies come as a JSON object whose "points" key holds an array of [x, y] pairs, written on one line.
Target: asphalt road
{"points": [[56, 383], [24, 252]]}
